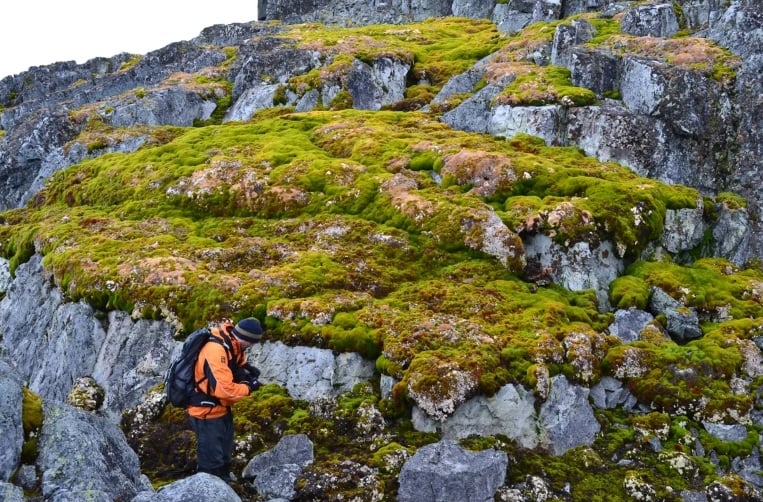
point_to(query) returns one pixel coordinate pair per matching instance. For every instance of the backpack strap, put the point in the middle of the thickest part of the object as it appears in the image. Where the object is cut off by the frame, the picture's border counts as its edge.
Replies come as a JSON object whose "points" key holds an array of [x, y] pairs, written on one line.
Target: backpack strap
{"points": [[201, 398]]}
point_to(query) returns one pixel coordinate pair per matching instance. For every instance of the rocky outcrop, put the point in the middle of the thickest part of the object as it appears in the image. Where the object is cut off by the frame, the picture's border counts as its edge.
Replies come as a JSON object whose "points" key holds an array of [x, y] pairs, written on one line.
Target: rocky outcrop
{"points": [[352, 11], [565, 419], [52, 342], [309, 373]]}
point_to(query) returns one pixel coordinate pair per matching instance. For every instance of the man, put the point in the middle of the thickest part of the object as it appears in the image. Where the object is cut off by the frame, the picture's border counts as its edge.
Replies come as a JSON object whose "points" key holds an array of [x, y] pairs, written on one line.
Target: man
{"points": [[223, 377]]}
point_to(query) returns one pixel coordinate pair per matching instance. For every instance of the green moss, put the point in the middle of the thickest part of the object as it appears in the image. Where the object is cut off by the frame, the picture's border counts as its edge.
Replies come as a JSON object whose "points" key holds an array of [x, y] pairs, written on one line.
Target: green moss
{"points": [[31, 419], [545, 85], [731, 200], [628, 291]]}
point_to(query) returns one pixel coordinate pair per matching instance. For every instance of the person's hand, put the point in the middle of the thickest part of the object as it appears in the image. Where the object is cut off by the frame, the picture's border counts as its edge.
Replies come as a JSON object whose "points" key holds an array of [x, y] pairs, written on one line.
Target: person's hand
{"points": [[241, 375], [253, 385], [253, 371]]}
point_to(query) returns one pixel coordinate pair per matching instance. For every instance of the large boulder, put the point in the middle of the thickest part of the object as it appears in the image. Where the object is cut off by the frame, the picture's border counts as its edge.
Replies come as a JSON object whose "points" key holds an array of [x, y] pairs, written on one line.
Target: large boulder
{"points": [[276, 470], [85, 457], [446, 472], [200, 486]]}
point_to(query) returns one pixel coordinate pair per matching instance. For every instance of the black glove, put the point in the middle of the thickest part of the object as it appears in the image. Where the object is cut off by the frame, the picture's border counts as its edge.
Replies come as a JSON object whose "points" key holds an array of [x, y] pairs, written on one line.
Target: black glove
{"points": [[253, 372], [253, 385], [241, 375]]}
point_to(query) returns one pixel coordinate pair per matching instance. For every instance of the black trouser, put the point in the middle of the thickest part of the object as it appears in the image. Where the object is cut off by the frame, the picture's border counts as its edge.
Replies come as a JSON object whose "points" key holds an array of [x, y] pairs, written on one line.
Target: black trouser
{"points": [[214, 444]]}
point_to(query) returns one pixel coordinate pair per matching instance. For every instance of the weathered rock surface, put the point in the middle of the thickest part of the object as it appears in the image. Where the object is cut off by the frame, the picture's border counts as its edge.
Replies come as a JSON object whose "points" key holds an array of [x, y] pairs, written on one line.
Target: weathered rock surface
{"points": [[85, 457], [275, 471], [309, 373], [52, 342], [200, 486], [628, 324], [566, 418], [11, 430], [355, 11], [445, 472], [511, 412]]}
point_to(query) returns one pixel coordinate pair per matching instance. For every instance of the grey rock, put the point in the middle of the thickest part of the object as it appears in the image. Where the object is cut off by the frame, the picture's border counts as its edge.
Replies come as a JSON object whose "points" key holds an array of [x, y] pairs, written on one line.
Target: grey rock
{"points": [[233, 33], [609, 393], [386, 383], [475, 9], [474, 113], [57, 365], [568, 36], [612, 133], [643, 85], [740, 28], [26, 147], [511, 412], [628, 324], [133, 358], [581, 266], [682, 321], [542, 121], [461, 83], [595, 69], [445, 472], [11, 429], [357, 12], [547, 10], [566, 418], [732, 235], [691, 496], [83, 456], [309, 373], [650, 20], [376, 85], [26, 311], [252, 100], [40, 331], [511, 17], [726, 432], [269, 61], [172, 106], [276, 470], [309, 101], [11, 493], [27, 477], [749, 468], [200, 486], [5, 275], [684, 228], [277, 481]]}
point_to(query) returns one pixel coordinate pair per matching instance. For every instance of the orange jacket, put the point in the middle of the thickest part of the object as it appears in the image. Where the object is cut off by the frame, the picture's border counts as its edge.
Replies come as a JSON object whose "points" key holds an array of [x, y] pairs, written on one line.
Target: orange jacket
{"points": [[214, 373]]}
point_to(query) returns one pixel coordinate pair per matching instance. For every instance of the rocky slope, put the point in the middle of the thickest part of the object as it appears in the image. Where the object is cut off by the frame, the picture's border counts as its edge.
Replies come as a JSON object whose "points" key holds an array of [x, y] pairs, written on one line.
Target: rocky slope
{"points": [[518, 240]]}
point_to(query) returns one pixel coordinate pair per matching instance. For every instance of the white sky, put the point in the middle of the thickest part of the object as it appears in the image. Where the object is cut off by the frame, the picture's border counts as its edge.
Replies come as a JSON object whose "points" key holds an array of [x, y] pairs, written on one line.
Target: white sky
{"points": [[41, 32]]}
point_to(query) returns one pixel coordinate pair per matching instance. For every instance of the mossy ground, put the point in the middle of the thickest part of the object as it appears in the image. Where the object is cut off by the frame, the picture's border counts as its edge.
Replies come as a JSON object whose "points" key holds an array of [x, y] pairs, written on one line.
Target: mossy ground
{"points": [[330, 227]]}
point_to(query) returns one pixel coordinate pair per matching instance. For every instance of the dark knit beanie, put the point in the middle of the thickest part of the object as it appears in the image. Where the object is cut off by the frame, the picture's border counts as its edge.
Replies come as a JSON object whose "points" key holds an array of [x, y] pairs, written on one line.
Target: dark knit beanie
{"points": [[248, 329]]}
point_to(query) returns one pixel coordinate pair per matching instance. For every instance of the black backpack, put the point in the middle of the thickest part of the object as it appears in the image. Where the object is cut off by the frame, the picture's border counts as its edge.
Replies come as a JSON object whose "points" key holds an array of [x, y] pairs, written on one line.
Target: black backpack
{"points": [[180, 386]]}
